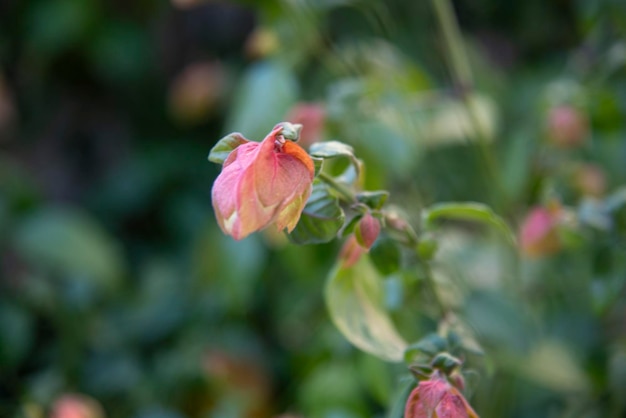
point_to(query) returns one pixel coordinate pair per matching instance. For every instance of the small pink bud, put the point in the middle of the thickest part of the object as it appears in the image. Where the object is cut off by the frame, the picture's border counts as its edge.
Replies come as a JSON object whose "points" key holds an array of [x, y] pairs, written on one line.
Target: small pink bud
{"points": [[311, 116], [435, 397], [367, 230], [76, 406], [538, 234], [262, 183], [567, 126]]}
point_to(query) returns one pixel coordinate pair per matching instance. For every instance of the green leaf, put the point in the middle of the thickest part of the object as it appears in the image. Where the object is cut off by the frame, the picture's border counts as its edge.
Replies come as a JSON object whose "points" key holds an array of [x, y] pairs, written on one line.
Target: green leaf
{"points": [[354, 299], [222, 149], [469, 211], [334, 149], [373, 199], [318, 163], [385, 254], [68, 242], [321, 219], [331, 149]]}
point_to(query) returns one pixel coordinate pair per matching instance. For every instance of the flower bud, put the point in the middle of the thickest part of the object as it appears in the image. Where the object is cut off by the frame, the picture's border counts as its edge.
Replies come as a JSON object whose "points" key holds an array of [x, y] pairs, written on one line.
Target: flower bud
{"points": [[262, 183], [436, 397], [367, 230]]}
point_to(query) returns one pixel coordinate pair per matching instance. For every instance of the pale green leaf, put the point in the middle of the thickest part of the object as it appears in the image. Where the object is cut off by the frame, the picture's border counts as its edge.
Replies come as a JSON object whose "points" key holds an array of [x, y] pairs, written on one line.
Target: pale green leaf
{"points": [[354, 297], [466, 211]]}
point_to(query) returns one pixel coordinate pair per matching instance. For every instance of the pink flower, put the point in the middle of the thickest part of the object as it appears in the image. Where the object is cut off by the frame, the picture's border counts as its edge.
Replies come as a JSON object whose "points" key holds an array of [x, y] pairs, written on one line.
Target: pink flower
{"points": [[538, 234], [436, 398], [262, 183]]}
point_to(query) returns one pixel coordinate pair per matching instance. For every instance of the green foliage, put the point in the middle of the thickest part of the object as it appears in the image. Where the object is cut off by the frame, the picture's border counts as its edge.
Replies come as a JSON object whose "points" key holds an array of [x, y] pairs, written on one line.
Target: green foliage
{"points": [[321, 219], [354, 299], [476, 212]]}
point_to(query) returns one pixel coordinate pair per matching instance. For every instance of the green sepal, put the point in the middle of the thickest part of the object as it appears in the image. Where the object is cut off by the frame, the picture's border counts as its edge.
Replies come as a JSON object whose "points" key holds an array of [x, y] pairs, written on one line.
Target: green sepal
{"points": [[373, 199], [446, 362], [430, 345], [291, 131]]}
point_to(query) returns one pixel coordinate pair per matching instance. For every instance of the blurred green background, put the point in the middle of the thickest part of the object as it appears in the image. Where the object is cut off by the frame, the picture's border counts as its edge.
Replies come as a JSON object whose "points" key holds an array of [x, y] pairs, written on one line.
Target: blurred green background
{"points": [[116, 283]]}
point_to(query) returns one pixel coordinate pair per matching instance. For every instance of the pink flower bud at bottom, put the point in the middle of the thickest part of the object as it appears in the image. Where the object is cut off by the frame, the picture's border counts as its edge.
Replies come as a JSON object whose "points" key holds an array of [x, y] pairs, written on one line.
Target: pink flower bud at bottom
{"points": [[436, 397]]}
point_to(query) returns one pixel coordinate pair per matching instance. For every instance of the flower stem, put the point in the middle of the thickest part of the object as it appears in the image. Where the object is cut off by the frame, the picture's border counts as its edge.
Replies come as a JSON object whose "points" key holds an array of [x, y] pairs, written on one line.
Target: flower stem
{"points": [[464, 83], [430, 279], [344, 193]]}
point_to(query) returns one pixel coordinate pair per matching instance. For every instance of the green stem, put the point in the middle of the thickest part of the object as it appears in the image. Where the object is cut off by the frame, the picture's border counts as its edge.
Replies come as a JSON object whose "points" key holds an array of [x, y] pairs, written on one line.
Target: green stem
{"points": [[463, 80], [344, 193], [459, 63], [433, 288]]}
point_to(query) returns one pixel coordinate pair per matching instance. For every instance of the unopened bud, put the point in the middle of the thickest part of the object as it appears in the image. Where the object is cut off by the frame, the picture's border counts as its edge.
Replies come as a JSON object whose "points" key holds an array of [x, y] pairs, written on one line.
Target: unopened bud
{"points": [[367, 230]]}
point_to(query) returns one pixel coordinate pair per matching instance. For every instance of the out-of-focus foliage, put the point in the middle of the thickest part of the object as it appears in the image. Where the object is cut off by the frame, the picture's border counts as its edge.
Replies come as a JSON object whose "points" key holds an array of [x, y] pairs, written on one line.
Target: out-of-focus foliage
{"points": [[120, 297]]}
